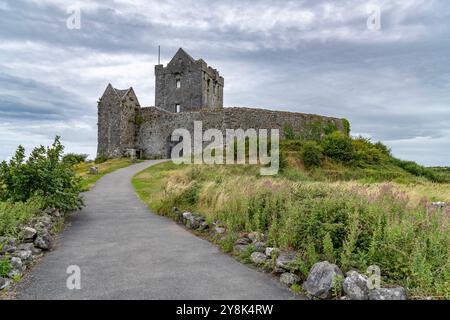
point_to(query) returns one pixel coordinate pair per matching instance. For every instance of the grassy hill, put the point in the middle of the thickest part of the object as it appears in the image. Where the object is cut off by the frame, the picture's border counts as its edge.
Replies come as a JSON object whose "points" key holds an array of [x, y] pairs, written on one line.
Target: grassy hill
{"points": [[336, 198]]}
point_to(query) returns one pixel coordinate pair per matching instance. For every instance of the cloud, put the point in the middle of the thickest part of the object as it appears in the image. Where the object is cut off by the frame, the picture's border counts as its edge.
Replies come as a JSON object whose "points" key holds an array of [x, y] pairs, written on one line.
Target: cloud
{"points": [[310, 56]]}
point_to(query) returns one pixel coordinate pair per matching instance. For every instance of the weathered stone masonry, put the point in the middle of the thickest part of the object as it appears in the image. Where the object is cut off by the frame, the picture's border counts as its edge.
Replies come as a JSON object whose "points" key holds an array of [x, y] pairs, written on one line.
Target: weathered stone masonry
{"points": [[196, 90]]}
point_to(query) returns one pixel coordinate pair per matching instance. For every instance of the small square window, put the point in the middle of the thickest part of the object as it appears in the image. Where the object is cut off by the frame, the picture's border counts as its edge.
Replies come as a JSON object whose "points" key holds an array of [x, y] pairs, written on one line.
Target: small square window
{"points": [[178, 83], [177, 108]]}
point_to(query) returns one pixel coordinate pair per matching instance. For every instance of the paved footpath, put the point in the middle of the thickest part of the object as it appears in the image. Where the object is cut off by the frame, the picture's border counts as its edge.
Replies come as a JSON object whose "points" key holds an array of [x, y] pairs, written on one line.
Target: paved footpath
{"points": [[126, 252]]}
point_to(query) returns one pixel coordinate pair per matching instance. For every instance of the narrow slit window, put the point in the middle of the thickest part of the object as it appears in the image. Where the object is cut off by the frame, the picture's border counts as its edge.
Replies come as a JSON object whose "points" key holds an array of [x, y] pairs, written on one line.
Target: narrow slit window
{"points": [[177, 108], [178, 83]]}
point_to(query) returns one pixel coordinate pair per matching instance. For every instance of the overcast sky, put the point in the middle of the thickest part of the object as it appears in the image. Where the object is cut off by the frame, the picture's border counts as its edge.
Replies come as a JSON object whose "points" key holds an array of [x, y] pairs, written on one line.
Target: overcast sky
{"points": [[307, 56]]}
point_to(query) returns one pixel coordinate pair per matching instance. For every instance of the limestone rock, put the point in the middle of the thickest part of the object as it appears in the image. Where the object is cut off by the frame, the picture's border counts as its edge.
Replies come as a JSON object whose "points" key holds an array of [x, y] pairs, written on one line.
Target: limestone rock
{"points": [[204, 225], [4, 283], [25, 255], [256, 236], [388, 294], [7, 248], [52, 212], [219, 230], [93, 170], [56, 213], [259, 246], [270, 251], [30, 247], [243, 241], [286, 260], [289, 279], [187, 215], [320, 279], [17, 264], [258, 257], [193, 222], [239, 248], [43, 241], [439, 204], [29, 234], [11, 241], [355, 286]]}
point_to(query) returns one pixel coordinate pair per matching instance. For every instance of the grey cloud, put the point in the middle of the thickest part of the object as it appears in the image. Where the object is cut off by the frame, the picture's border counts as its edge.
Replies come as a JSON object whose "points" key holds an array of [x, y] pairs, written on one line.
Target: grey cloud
{"points": [[307, 56]]}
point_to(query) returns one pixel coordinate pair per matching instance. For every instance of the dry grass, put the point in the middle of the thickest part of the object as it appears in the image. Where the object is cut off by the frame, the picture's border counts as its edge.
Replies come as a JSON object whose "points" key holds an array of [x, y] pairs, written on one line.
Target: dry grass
{"points": [[393, 224]]}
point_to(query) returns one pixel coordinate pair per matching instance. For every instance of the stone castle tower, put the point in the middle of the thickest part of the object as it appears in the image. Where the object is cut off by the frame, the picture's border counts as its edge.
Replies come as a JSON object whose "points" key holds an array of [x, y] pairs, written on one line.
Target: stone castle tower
{"points": [[186, 84], [186, 90]]}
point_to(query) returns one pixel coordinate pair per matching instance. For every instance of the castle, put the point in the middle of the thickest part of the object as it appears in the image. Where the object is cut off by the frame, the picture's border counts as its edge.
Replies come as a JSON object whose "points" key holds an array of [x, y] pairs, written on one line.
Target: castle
{"points": [[186, 90]]}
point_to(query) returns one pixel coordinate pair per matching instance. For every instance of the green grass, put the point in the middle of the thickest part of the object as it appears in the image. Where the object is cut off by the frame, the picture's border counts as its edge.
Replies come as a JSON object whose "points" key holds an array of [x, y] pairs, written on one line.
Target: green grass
{"points": [[13, 214], [89, 180], [354, 223], [149, 183]]}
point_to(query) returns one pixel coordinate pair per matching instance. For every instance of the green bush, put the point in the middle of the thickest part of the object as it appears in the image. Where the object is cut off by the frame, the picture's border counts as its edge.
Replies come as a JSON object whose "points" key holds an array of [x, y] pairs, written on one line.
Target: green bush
{"points": [[100, 159], [338, 146], [74, 158], [419, 170], [383, 148], [43, 174], [365, 152], [311, 154], [288, 132]]}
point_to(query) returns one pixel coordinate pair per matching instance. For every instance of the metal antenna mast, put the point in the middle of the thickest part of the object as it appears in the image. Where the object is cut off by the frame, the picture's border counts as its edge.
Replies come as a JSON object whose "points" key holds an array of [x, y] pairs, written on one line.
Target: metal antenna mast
{"points": [[159, 54]]}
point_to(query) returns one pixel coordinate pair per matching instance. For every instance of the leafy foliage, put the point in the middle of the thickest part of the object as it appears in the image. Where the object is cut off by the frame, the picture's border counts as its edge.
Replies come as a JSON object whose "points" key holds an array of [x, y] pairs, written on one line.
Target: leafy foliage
{"points": [[5, 266], [422, 171], [311, 154], [337, 146], [43, 174], [74, 158], [100, 159]]}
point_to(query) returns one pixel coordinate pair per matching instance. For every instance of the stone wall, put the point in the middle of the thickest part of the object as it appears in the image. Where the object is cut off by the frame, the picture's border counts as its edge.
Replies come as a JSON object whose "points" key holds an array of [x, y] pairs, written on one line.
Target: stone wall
{"points": [[153, 136], [246, 118], [157, 126]]}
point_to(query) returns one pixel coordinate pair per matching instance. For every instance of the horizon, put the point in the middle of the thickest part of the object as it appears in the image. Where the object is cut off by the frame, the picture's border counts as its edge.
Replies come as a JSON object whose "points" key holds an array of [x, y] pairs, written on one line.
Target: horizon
{"points": [[318, 57]]}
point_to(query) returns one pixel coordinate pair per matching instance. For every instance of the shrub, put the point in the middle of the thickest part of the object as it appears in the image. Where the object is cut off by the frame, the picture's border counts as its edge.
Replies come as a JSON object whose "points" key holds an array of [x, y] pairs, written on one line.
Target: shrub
{"points": [[365, 152], [311, 154], [288, 132], [100, 159], [419, 170], [338, 146], [383, 148], [74, 158], [43, 174]]}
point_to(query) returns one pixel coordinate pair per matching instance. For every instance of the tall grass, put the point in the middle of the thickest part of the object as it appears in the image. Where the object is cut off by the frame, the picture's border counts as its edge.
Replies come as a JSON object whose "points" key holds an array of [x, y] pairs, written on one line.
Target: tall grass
{"points": [[13, 214], [353, 225]]}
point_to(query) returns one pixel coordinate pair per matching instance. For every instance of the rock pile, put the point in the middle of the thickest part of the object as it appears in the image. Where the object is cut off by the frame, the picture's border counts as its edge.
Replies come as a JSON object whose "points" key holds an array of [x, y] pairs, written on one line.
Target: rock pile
{"points": [[323, 279], [17, 253]]}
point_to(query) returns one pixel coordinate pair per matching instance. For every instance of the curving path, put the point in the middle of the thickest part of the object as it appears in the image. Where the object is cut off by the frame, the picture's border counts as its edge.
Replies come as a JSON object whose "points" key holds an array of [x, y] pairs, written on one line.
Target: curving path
{"points": [[126, 252]]}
